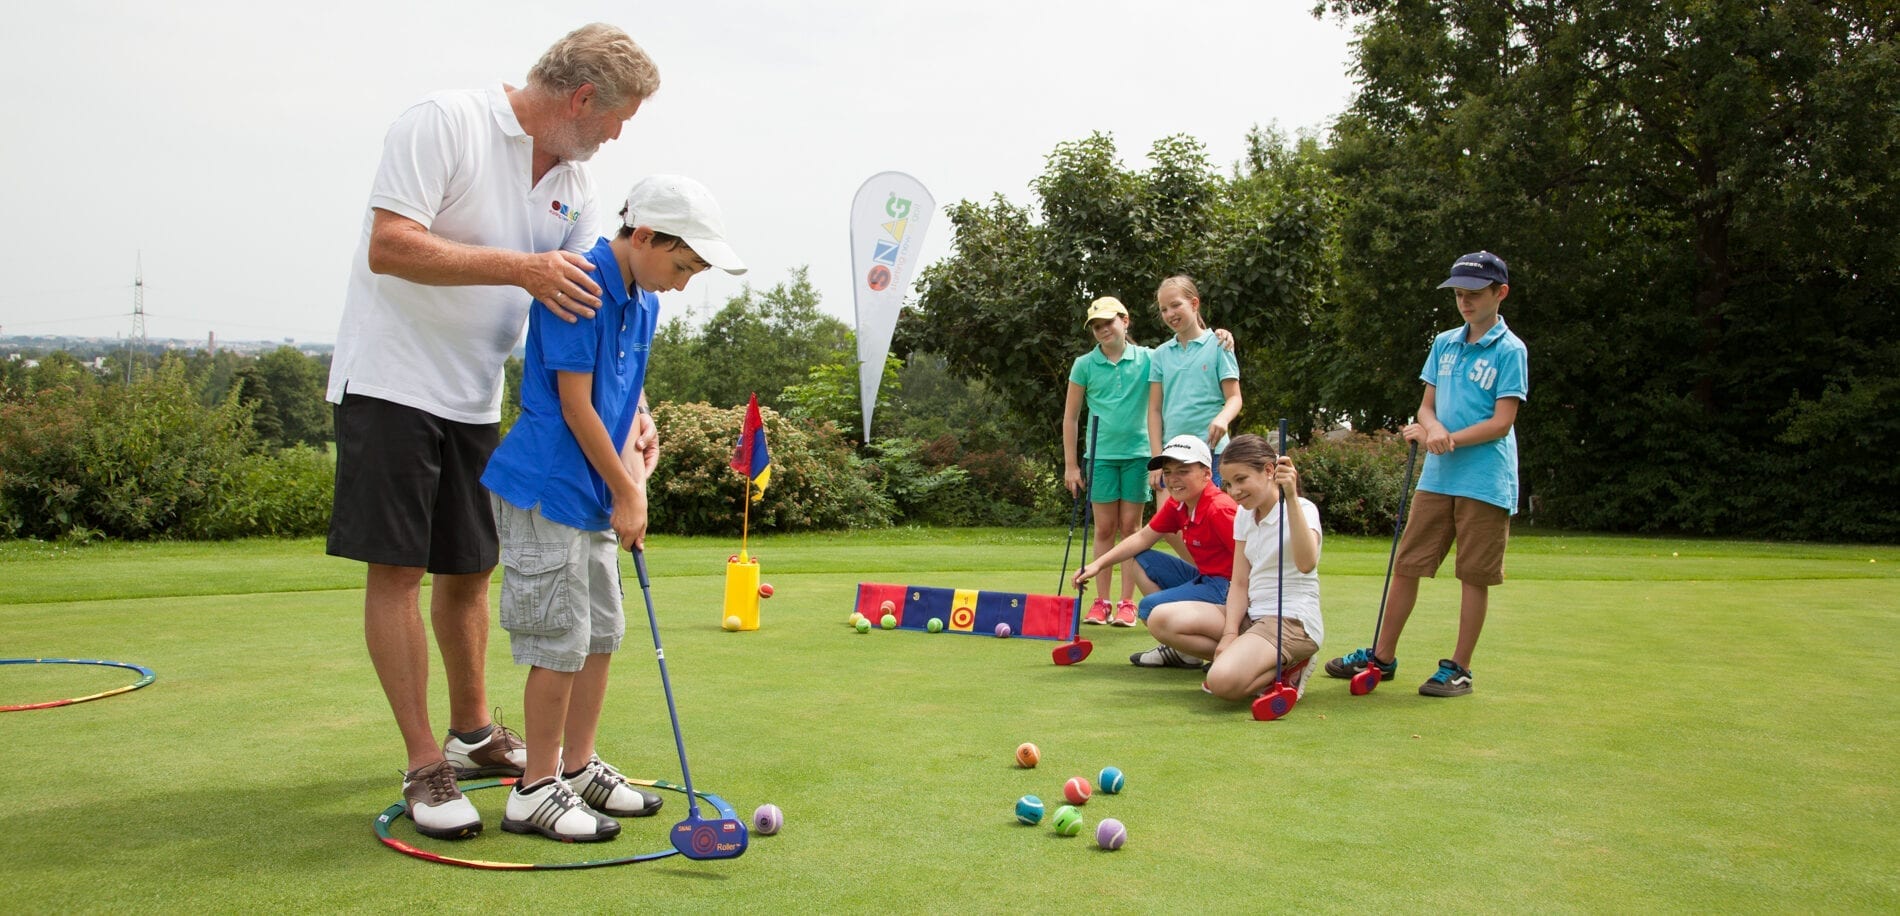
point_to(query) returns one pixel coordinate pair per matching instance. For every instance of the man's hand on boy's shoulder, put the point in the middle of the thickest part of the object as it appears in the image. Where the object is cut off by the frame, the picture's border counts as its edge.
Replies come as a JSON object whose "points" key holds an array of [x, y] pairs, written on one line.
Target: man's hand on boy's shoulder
{"points": [[559, 280]]}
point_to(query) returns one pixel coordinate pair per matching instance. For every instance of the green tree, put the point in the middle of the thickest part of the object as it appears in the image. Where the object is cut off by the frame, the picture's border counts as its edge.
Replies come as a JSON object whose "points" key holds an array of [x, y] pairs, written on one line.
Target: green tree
{"points": [[1699, 203], [1005, 307], [761, 342], [294, 398]]}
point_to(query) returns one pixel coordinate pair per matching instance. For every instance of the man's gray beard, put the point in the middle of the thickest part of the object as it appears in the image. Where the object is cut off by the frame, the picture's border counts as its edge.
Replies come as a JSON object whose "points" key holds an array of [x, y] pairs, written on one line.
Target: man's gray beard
{"points": [[565, 142]]}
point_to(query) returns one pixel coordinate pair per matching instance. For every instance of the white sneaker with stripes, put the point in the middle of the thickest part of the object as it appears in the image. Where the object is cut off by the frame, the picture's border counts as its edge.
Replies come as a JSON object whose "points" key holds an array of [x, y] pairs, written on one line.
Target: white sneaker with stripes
{"points": [[551, 808]]}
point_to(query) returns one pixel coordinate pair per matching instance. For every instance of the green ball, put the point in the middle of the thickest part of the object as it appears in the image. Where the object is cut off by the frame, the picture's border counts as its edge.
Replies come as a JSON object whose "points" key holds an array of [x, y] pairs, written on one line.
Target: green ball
{"points": [[934, 625], [889, 622], [863, 625], [1068, 821]]}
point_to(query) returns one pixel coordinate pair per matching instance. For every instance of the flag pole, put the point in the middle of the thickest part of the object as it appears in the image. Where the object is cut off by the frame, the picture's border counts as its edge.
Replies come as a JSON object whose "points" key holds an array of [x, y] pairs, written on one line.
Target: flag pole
{"points": [[745, 518]]}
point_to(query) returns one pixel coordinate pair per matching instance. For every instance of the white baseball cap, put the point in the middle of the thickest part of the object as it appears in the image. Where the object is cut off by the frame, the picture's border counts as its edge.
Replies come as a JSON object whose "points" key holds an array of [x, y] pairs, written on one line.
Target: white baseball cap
{"points": [[1185, 449], [677, 205]]}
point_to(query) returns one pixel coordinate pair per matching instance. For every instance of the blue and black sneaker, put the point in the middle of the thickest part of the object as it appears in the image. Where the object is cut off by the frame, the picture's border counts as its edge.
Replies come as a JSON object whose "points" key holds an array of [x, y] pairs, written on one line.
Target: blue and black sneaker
{"points": [[1348, 665], [1450, 680]]}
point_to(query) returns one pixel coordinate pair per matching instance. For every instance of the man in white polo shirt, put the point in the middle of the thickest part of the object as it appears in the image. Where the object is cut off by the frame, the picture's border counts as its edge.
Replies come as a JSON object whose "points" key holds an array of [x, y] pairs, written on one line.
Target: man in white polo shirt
{"points": [[480, 206]]}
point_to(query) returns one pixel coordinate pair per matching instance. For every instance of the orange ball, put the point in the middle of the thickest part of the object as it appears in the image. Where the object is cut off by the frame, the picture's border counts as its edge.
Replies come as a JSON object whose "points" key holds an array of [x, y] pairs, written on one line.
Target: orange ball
{"points": [[765, 590], [1028, 755], [887, 607]]}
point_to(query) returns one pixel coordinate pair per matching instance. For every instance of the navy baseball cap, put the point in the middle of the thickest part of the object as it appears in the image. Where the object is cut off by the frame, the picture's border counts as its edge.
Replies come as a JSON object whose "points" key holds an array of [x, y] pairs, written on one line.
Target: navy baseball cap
{"points": [[1477, 271]]}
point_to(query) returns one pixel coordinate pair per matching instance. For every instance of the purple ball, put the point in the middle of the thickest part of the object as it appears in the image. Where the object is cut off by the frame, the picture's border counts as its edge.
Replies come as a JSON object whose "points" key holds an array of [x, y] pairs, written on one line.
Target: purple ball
{"points": [[1110, 834], [1002, 631], [767, 820]]}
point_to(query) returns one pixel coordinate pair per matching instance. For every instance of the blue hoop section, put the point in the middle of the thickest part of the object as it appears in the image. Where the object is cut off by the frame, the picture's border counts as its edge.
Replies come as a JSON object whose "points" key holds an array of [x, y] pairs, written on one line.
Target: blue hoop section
{"points": [[145, 677], [391, 813]]}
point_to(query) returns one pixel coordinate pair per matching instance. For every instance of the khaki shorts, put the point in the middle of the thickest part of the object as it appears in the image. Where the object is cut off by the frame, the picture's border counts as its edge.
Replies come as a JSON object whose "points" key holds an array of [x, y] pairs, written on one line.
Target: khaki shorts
{"points": [[1436, 520], [560, 590], [1298, 647]]}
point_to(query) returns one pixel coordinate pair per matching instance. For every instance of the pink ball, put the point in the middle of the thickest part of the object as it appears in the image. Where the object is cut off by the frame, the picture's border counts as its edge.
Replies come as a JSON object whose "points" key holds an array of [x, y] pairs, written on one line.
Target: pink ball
{"points": [[1110, 834], [767, 820], [1076, 790], [1002, 631]]}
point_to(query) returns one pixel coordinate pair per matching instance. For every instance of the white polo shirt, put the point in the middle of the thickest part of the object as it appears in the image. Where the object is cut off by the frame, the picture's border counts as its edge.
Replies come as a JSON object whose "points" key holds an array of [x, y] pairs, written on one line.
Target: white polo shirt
{"points": [[1262, 542], [460, 164]]}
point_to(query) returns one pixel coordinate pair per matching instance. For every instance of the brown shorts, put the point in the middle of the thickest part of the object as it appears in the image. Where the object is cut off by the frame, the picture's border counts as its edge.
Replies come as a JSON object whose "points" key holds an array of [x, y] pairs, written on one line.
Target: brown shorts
{"points": [[1436, 520], [1298, 647]]}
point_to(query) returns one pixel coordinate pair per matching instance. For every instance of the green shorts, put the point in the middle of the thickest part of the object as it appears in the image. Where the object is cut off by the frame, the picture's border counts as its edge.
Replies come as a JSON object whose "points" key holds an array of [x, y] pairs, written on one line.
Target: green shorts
{"points": [[1120, 480]]}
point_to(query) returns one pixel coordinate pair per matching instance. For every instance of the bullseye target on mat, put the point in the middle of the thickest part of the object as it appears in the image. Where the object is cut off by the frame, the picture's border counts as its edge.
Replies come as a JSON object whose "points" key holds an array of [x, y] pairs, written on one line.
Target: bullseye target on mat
{"points": [[391, 813], [145, 677]]}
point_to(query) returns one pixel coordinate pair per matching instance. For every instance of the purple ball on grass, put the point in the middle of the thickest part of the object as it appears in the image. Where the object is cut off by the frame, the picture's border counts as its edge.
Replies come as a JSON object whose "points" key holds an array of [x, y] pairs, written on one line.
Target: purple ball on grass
{"points": [[767, 820], [1110, 834]]}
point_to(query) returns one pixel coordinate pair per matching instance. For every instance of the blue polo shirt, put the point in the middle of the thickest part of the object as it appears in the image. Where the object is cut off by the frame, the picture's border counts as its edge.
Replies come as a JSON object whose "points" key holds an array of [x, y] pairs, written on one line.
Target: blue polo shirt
{"points": [[1469, 378], [541, 463], [1117, 396], [1190, 375]]}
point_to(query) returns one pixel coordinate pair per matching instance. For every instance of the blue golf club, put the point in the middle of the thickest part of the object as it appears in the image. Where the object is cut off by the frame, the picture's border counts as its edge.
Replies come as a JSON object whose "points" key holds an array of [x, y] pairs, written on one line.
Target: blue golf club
{"points": [[695, 837]]}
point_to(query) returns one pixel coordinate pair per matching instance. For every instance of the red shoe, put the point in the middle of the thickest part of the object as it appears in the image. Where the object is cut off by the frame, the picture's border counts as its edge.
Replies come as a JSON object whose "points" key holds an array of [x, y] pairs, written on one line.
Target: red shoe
{"points": [[1124, 614], [1098, 612]]}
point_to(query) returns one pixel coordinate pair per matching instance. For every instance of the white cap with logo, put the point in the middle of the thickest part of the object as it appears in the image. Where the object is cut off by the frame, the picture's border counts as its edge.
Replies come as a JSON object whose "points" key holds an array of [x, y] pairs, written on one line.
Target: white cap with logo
{"points": [[1185, 449], [677, 205]]}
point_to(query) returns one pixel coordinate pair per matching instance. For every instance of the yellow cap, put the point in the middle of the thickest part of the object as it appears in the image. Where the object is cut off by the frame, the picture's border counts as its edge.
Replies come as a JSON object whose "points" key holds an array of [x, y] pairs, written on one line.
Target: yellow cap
{"points": [[1105, 307]]}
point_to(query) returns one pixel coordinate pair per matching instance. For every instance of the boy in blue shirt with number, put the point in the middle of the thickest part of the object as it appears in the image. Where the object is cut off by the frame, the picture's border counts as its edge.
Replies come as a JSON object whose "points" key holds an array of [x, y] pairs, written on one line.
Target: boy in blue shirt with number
{"points": [[569, 486], [1475, 379]]}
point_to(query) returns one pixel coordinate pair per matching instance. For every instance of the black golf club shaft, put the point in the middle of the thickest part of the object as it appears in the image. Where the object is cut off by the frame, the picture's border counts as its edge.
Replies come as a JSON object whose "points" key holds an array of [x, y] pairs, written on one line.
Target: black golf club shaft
{"points": [[1088, 517], [1405, 493], [1279, 574]]}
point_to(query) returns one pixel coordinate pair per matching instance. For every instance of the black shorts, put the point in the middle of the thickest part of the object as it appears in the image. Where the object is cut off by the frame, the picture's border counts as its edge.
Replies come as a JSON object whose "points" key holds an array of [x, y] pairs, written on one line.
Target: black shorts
{"points": [[409, 491]]}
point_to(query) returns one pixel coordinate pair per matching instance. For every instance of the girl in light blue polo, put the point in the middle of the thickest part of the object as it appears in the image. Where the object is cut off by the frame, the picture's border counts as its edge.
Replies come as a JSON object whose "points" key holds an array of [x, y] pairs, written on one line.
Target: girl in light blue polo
{"points": [[1194, 384]]}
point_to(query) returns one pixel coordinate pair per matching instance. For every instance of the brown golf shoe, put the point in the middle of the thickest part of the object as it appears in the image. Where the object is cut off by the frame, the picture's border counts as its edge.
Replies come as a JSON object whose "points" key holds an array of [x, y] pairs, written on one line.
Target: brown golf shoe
{"points": [[502, 753]]}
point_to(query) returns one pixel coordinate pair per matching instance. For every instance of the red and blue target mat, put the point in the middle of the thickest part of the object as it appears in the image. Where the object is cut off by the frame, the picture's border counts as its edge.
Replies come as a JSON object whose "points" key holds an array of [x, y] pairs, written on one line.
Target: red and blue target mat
{"points": [[970, 611]]}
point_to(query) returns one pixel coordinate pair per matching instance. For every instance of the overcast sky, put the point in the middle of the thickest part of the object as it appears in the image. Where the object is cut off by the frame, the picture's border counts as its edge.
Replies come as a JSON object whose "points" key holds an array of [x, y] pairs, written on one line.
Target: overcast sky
{"points": [[231, 144]]}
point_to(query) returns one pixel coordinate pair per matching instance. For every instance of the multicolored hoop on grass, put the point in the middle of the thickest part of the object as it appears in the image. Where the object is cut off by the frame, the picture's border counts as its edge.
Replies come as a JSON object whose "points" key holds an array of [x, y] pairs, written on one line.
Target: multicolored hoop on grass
{"points": [[391, 813], [145, 677]]}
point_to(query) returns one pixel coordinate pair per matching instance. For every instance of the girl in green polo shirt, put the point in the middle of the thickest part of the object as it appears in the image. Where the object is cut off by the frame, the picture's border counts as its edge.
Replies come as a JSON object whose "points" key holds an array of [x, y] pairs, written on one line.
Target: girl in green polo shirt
{"points": [[1112, 378]]}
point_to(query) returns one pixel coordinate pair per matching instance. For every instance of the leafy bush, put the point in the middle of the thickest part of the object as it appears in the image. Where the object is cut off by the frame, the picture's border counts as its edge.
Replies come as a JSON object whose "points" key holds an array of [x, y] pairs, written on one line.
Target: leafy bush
{"points": [[817, 483], [1355, 480], [125, 462], [82, 460], [283, 495]]}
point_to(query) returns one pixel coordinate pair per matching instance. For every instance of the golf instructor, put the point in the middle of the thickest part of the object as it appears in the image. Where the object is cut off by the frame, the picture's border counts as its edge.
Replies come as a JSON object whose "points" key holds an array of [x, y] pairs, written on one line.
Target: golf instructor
{"points": [[480, 205]]}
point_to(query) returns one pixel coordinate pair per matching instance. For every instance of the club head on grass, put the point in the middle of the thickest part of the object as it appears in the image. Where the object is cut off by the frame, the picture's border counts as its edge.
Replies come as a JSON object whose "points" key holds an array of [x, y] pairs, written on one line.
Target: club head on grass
{"points": [[1276, 702], [698, 838], [1365, 681], [1072, 653]]}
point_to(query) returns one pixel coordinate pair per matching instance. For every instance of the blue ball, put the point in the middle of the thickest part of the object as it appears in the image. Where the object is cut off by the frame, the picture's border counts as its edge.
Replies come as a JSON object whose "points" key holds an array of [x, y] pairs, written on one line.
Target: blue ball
{"points": [[1110, 780], [1029, 809]]}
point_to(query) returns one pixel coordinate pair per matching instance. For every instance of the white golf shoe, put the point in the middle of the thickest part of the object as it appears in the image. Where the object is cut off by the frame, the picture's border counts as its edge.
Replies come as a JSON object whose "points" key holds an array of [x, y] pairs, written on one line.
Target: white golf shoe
{"points": [[437, 805], [606, 791], [553, 810]]}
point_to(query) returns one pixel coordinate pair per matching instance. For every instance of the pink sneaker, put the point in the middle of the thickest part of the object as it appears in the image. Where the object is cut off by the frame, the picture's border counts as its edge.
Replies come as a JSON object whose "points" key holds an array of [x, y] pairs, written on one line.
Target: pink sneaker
{"points": [[1124, 614], [1098, 612]]}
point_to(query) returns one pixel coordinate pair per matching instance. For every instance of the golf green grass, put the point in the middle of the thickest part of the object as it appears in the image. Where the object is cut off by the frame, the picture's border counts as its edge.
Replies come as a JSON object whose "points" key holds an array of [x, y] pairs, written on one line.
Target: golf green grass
{"points": [[1659, 725]]}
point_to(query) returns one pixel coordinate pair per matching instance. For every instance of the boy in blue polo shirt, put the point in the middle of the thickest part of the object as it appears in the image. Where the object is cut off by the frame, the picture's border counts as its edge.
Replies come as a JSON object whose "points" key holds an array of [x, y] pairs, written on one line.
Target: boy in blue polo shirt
{"points": [[1475, 378], [568, 481]]}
